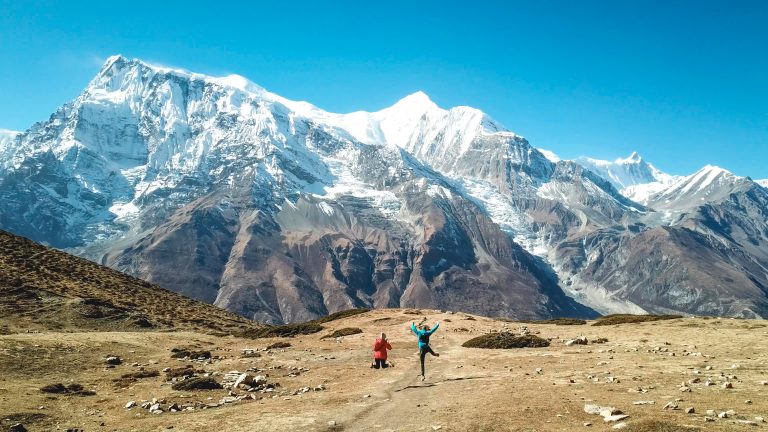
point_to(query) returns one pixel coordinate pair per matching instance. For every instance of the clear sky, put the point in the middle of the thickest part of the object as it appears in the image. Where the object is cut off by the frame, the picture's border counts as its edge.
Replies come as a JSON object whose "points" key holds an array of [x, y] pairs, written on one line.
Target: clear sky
{"points": [[685, 83]]}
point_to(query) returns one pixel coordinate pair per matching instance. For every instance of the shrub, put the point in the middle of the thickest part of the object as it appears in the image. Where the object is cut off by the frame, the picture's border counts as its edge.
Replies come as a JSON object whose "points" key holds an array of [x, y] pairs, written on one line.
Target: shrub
{"points": [[556, 321], [182, 371], [181, 353], [287, 330], [339, 315], [347, 331], [203, 383], [279, 345], [72, 389], [631, 319], [505, 340]]}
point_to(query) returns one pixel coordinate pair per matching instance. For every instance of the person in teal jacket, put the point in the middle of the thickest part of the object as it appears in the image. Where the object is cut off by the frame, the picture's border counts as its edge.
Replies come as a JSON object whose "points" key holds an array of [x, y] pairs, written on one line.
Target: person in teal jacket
{"points": [[423, 334]]}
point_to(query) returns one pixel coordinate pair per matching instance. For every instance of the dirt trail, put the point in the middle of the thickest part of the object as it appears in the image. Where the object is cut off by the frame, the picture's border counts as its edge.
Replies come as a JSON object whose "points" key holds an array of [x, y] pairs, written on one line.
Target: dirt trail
{"points": [[406, 402]]}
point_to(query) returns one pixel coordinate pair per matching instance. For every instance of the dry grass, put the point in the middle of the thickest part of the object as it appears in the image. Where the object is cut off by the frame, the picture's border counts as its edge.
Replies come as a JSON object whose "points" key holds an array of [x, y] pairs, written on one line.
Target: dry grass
{"points": [[72, 389], [631, 319], [187, 370], [505, 340]]}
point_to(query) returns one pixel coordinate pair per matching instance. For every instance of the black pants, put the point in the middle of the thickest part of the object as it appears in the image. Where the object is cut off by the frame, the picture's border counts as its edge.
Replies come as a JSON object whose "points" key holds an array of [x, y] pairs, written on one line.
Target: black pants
{"points": [[422, 354], [379, 363]]}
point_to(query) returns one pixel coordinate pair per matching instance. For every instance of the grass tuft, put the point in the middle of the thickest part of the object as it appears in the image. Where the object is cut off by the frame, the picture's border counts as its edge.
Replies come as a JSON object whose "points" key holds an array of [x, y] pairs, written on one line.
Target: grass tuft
{"points": [[631, 319]]}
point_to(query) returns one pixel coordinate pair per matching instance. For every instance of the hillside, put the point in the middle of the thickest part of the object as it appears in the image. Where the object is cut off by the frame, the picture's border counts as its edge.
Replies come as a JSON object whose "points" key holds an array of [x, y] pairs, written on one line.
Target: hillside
{"points": [[45, 289]]}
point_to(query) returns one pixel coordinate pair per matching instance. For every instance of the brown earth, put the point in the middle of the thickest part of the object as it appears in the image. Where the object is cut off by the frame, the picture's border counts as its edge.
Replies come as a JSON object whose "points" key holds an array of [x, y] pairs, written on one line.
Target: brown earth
{"points": [[42, 288], [466, 389]]}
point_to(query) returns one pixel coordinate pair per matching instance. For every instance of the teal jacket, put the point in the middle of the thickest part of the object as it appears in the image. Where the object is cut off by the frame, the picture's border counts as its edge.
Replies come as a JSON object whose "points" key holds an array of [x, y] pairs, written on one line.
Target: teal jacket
{"points": [[423, 335]]}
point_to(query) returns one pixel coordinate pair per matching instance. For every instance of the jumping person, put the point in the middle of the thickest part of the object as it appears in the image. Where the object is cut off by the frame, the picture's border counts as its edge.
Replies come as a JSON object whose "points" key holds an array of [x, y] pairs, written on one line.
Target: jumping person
{"points": [[423, 334], [380, 348]]}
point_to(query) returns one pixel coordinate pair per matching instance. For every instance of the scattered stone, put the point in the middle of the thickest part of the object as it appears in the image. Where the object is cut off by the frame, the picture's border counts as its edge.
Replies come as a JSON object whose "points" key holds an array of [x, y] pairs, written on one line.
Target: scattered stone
{"points": [[621, 425], [748, 402], [670, 406], [587, 424], [581, 340], [615, 418], [130, 404], [113, 360], [723, 415], [644, 402], [709, 419], [727, 385], [690, 410], [18, 427]]}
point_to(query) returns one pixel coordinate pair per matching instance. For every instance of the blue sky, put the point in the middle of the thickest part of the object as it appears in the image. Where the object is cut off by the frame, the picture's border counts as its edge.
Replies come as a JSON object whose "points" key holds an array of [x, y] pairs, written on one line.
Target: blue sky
{"points": [[685, 83]]}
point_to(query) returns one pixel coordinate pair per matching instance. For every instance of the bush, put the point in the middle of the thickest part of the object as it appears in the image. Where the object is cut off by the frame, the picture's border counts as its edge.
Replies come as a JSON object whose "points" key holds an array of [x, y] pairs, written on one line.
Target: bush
{"points": [[556, 321], [347, 331], [181, 353], [505, 340], [339, 315], [183, 371], [279, 345], [287, 330], [72, 389], [631, 319], [205, 383]]}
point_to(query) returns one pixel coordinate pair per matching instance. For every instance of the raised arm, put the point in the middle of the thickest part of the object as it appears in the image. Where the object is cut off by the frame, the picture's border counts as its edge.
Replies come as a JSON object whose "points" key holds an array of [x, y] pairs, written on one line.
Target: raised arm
{"points": [[413, 329], [434, 328]]}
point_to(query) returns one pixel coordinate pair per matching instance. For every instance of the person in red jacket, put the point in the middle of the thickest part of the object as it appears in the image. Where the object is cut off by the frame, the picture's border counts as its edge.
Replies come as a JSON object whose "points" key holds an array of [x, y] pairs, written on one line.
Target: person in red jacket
{"points": [[380, 348]]}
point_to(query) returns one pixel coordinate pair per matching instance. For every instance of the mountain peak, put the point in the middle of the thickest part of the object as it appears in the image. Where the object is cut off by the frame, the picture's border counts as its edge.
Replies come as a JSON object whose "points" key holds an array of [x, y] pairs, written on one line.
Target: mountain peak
{"points": [[418, 101], [634, 158]]}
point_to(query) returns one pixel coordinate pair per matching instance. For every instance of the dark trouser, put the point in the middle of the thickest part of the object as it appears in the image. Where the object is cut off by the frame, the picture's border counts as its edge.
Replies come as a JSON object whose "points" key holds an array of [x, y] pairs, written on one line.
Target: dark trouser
{"points": [[422, 354], [380, 363]]}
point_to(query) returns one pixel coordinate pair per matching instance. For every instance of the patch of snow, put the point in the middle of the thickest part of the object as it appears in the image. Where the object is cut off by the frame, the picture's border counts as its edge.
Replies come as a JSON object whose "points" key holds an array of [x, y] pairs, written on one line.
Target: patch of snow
{"points": [[550, 155]]}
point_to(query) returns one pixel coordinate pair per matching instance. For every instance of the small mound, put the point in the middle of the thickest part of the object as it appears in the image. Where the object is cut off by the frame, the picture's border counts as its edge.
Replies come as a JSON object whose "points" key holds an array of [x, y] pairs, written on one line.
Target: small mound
{"points": [[347, 331], [180, 353], [505, 340], [203, 383], [72, 389], [279, 345], [631, 319], [339, 315], [658, 426], [287, 330], [556, 321], [127, 379], [182, 371]]}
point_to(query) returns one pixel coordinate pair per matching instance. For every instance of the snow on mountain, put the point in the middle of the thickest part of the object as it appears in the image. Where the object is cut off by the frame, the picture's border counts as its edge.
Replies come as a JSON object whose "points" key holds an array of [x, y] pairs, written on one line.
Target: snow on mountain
{"points": [[763, 183], [709, 184], [626, 172], [550, 155], [6, 138]]}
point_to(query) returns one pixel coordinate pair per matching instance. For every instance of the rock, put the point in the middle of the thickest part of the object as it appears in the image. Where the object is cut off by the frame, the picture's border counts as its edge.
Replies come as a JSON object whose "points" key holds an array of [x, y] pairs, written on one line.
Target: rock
{"points": [[621, 425], [644, 402], [727, 385], [670, 405], [113, 360], [332, 423], [615, 418], [708, 368], [366, 396], [690, 410], [581, 340], [723, 415], [759, 419], [319, 387], [592, 409], [709, 419], [539, 370], [18, 427], [437, 427], [748, 402], [711, 413], [587, 424], [130, 404]]}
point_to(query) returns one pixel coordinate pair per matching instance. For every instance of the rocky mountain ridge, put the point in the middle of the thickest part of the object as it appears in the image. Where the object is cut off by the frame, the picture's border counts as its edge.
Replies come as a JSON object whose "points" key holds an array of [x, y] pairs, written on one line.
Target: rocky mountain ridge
{"points": [[280, 211]]}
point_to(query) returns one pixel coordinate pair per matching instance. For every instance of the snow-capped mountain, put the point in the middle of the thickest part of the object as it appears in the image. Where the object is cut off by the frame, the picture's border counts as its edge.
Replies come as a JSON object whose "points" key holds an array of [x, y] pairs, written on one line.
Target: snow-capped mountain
{"points": [[281, 211], [763, 183], [626, 172]]}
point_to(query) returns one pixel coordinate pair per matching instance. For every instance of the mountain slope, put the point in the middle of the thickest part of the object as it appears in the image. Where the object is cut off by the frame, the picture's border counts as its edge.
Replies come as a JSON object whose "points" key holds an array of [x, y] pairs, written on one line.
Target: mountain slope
{"points": [[43, 289], [266, 206], [283, 212]]}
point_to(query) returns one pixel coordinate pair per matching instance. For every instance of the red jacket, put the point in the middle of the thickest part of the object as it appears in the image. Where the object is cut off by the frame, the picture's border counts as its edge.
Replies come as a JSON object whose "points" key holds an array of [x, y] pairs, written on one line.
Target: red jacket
{"points": [[380, 348]]}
